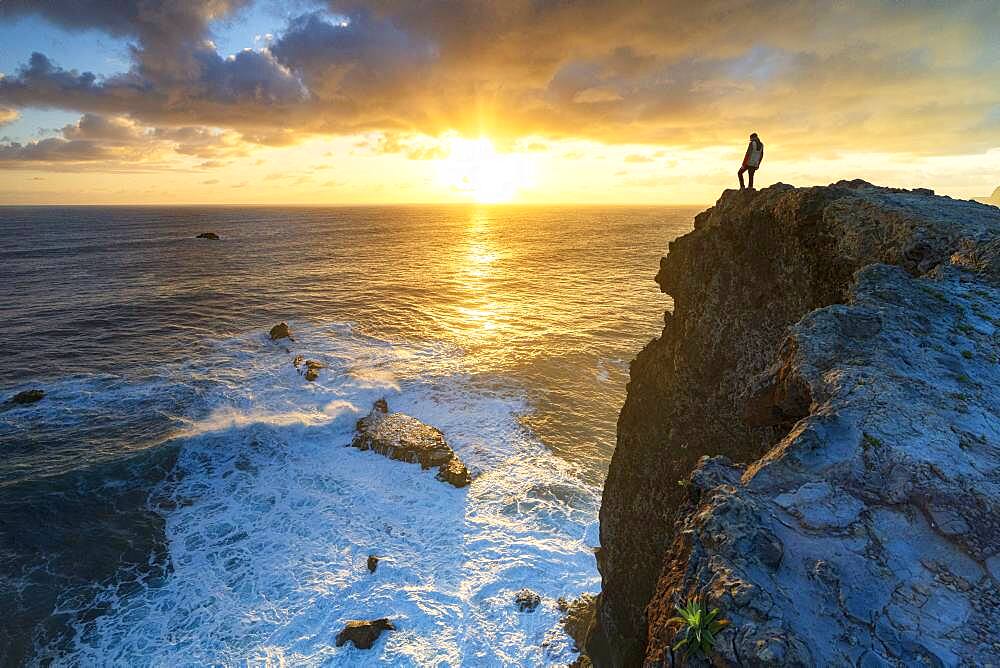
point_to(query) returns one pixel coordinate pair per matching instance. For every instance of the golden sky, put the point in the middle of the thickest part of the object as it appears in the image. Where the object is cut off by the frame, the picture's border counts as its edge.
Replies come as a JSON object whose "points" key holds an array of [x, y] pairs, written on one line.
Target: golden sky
{"points": [[547, 101]]}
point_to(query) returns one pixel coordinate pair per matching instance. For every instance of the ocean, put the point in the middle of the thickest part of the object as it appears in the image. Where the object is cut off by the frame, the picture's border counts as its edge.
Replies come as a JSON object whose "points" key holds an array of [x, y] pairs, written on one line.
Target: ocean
{"points": [[182, 496]]}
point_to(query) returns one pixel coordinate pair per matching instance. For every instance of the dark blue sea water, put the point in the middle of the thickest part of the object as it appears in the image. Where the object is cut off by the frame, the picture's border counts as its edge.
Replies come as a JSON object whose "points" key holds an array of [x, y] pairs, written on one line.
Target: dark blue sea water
{"points": [[182, 496]]}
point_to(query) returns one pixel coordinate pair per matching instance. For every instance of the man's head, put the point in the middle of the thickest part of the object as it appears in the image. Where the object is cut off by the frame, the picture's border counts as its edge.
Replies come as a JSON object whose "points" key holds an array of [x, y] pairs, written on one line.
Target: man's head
{"points": [[753, 135]]}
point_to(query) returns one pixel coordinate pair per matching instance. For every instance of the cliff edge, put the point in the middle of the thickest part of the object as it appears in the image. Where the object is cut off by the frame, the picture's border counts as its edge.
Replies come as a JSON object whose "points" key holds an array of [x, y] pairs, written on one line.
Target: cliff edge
{"points": [[842, 344]]}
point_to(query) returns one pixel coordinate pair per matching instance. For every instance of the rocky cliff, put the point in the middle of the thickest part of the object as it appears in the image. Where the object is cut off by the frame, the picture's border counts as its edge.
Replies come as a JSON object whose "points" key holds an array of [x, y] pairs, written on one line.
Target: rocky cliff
{"points": [[813, 443]]}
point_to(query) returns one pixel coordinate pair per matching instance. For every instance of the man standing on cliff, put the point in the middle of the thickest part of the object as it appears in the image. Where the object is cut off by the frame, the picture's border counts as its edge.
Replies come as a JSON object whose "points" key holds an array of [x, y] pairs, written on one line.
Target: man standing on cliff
{"points": [[751, 161]]}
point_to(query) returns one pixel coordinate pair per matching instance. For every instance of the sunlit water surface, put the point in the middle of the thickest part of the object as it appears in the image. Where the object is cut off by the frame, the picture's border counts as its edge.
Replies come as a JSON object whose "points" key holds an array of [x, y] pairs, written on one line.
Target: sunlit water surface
{"points": [[182, 496]]}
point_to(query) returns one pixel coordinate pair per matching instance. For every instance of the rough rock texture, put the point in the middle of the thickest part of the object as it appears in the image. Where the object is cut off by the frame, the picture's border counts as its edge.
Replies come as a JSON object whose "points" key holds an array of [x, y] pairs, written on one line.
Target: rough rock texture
{"points": [[310, 368], [866, 530], [27, 397], [527, 600], [578, 618], [364, 633], [400, 436], [280, 331]]}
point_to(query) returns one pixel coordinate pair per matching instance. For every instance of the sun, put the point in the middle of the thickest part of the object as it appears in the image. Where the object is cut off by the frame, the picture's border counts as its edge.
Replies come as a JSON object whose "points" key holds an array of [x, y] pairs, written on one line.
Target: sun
{"points": [[475, 170]]}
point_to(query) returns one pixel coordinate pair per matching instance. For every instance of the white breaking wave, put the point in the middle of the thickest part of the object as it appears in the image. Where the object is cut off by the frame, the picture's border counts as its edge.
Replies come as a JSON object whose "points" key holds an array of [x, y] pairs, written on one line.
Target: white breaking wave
{"points": [[275, 519]]}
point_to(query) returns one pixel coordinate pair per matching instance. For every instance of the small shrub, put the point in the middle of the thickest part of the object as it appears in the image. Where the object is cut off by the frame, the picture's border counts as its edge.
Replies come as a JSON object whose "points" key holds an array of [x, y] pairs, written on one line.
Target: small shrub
{"points": [[967, 354], [699, 628], [962, 378]]}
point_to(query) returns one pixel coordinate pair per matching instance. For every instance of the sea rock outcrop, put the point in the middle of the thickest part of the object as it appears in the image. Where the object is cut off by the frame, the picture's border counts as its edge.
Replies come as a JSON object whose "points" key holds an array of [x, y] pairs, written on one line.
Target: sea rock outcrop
{"points": [[309, 368], [208, 235], [843, 343], [27, 397], [364, 633], [280, 331], [400, 436], [527, 600]]}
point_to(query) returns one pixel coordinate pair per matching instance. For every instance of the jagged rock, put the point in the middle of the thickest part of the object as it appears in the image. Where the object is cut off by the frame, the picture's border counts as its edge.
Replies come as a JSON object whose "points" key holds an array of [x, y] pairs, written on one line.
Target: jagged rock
{"points": [[578, 617], [27, 397], [312, 369], [280, 331], [209, 235], [400, 436], [364, 633], [454, 473], [527, 600], [844, 341], [372, 563]]}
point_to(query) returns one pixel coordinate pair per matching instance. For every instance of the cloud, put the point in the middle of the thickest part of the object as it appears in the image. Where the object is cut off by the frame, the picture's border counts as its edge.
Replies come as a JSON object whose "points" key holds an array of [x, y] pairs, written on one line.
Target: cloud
{"points": [[812, 78], [638, 158], [8, 115], [119, 143]]}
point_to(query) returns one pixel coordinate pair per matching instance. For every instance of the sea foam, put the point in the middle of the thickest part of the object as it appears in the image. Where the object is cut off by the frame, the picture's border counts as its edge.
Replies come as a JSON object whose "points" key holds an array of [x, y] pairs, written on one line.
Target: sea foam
{"points": [[273, 519]]}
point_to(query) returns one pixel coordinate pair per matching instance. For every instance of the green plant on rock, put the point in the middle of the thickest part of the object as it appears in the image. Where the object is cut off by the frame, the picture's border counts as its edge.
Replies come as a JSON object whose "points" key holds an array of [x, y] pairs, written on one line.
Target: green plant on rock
{"points": [[699, 628]]}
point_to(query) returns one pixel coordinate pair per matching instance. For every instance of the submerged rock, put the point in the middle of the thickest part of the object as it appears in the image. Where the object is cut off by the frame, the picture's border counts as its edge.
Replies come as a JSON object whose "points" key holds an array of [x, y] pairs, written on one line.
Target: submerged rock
{"points": [[372, 563], [843, 341], [364, 633], [27, 397], [400, 436], [280, 331], [208, 235], [527, 600]]}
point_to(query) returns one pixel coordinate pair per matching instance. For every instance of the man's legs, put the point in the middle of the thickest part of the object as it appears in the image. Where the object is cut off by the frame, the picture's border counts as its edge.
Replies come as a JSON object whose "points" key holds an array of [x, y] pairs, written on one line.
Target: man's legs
{"points": [[751, 170], [740, 174]]}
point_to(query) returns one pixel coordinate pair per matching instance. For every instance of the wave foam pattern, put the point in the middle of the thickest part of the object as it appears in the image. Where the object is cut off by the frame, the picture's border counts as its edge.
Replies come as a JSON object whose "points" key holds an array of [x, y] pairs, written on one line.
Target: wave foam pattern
{"points": [[273, 520]]}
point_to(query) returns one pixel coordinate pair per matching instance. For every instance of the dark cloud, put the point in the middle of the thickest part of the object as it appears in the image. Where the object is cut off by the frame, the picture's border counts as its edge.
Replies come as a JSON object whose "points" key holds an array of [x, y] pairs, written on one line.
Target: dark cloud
{"points": [[53, 149], [813, 76]]}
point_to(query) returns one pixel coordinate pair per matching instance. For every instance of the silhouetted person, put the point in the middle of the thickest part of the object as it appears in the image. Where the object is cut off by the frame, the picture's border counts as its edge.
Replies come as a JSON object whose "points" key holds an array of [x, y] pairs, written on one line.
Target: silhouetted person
{"points": [[751, 161]]}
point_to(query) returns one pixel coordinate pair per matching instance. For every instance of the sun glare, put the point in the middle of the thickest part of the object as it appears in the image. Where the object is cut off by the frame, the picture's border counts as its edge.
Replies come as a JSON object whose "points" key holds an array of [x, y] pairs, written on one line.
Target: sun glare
{"points": [[476, 171]]}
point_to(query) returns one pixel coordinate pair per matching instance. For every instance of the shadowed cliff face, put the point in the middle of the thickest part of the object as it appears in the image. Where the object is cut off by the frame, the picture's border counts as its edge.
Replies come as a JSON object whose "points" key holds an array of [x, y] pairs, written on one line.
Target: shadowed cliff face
{"points": [[713, 382]]}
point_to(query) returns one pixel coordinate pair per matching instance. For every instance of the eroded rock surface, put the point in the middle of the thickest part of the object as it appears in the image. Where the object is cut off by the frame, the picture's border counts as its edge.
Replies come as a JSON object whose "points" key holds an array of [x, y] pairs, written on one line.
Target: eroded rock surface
{"points": [[844, 340], [403, 437]]}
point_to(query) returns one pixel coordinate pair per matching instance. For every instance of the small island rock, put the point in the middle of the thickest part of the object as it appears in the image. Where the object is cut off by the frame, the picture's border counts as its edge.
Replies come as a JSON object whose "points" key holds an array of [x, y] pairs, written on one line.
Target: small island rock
{"points": [[372, 563], [364, 633], [527, 600], [208, 235], [281, 331], [27, 397], [402, 437]]}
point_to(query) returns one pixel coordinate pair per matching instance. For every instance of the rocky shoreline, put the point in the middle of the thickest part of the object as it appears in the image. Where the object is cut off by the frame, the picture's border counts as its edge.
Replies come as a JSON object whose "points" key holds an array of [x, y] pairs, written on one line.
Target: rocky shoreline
{"points": [[841, 343]]}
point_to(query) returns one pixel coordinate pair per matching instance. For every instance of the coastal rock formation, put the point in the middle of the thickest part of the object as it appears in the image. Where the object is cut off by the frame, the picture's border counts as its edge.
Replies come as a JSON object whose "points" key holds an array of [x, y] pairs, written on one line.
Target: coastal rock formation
{"points": [[27, 397], [310, 368], [208, 235], [363, 633], [372, 563], [527, 600], [280, 331], [400, 436], [842, 341]]}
